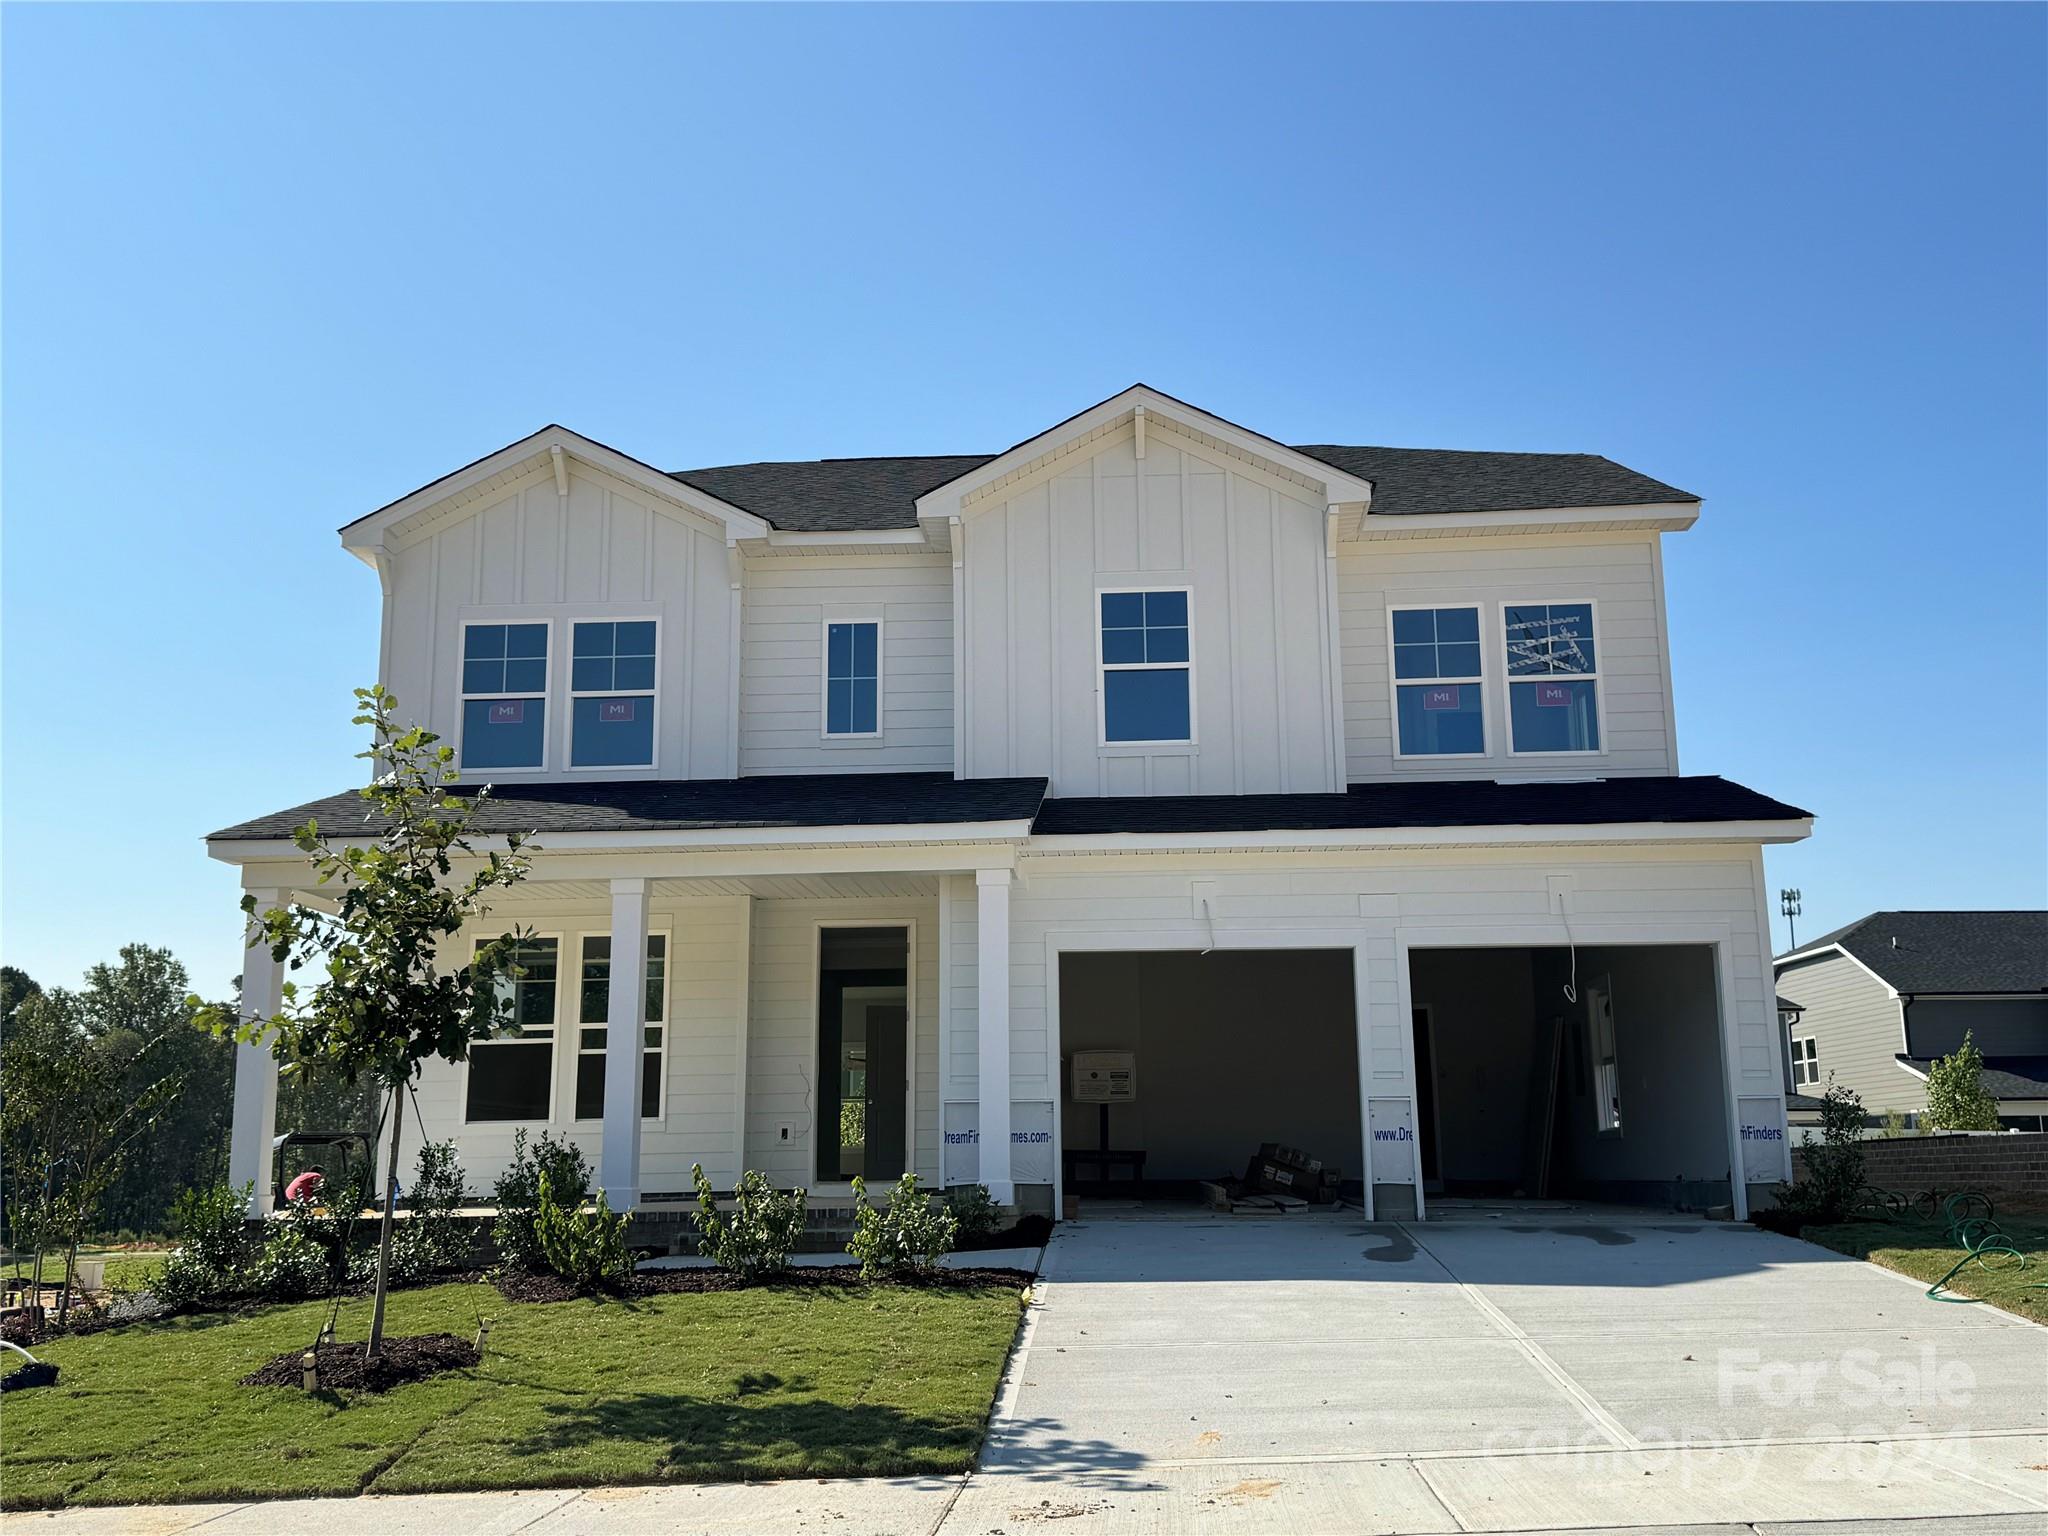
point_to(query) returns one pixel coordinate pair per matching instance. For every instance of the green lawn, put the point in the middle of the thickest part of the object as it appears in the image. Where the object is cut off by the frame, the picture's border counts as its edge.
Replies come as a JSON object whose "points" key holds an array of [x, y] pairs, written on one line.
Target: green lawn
{"points": [[757, 1383], [1920, 1247], [128, 1269]]}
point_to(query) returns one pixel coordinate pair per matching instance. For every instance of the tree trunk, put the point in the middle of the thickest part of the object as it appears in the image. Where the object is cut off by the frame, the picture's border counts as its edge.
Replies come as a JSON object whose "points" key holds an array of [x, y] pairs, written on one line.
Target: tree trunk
{"points": [[376, 1345]]}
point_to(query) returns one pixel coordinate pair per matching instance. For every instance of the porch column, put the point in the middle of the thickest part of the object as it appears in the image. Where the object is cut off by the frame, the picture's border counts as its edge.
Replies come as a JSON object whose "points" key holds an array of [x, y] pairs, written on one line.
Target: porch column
{"points": [[625, 1020], [992, 972], [255, 1122]]}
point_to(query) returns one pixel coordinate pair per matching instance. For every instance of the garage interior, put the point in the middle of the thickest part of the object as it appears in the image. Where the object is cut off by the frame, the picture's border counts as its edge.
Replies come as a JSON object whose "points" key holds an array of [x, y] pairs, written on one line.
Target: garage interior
{"points": [[1230, 1049], [1547, 1074]]}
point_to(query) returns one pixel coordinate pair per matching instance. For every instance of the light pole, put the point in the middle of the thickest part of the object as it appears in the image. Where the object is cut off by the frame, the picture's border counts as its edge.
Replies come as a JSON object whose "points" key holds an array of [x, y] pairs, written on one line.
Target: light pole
{"points": [[1788, 904]]}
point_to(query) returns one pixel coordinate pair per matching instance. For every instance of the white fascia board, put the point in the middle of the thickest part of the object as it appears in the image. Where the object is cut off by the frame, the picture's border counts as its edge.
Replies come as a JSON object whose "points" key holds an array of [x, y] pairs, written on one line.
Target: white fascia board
{"points": [[1426, 837], [1664, 517], [1821, 950], [894, 835], [851, 538], [372, 531], [1338, 487], [1909, 1069]]}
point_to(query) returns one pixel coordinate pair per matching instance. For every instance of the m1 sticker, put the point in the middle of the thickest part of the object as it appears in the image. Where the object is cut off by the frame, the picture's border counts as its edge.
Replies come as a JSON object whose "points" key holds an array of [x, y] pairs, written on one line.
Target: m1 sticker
{"points": [[615, 711], [1445, 696], [511, 712], [1554, 695]]}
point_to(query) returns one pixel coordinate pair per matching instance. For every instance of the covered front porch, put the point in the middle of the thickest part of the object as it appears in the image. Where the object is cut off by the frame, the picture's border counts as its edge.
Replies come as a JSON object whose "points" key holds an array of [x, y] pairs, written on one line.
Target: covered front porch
{"points": [[813, 1005]]}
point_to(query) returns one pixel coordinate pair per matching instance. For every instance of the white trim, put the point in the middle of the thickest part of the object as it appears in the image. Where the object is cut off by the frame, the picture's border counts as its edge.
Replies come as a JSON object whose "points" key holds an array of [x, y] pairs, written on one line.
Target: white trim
{"points": [[574, 693], [1597, 677], [463, 626], [1424, 837], [817, 987], [825, 731], [1592, 932], [1395, 683], [1104, 668], [743, 1015], [1660, 516], [1192, 937], [668, 949], [1811, 1059], [477, 941], [921, 838]]}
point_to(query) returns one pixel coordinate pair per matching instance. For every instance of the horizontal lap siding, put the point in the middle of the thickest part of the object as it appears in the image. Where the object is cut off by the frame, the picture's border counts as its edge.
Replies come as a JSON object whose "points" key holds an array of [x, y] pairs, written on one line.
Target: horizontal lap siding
{"points": [[788, 602], [782, 1062], [1619, 573], [1854, 1021], [704, 992]]}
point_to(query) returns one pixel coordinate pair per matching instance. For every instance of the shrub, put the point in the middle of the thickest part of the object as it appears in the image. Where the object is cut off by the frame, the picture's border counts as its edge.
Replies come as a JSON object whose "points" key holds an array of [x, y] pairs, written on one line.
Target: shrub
{"points": [[1957, 1099], [586, 1248], [976, 1215], [432, 1238], [912, 1235], [213, 1260], [1834, 1168], [517, 1195], [761, 1231], [1894, 1122], [293, 1265]]}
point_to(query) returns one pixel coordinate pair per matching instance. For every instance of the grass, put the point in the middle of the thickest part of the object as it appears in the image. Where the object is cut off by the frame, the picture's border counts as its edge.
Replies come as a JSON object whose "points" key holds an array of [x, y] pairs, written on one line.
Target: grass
{"points": [[1920, 1247], [128, 1269], [758, 1383]]}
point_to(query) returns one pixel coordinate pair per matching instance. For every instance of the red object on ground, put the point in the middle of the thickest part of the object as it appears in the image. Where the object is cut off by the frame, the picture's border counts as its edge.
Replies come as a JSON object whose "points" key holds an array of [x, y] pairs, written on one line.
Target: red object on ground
{"points": [[304, 1187]]}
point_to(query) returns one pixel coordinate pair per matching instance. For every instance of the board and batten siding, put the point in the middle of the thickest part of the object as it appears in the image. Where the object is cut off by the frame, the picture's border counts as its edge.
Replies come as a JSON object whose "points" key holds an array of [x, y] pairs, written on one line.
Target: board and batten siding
{"points": [[606, 552], [788, 603], [707, 945], [1377, 900], [1854, 1021], [782, 1030], [1250, 549], [1621, 574]]}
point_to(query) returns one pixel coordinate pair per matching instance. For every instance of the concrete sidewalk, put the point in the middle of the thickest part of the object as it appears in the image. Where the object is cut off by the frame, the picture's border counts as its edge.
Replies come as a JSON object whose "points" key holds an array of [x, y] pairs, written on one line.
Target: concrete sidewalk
{"points": [[1546, 1371]]}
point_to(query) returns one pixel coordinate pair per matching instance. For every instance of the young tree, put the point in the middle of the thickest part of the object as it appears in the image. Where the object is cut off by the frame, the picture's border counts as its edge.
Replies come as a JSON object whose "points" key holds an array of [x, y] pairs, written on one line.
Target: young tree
{"points": [[387, 1000], [1957, 1099]]}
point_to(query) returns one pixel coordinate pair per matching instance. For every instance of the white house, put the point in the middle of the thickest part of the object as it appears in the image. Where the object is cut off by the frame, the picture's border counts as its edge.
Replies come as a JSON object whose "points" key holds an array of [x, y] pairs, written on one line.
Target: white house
{"points": [[1338, 786]]}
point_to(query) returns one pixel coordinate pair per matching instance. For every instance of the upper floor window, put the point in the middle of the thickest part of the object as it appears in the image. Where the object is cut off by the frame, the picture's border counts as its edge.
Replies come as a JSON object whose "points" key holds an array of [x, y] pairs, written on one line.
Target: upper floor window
{"points": [[504, 695], [611, 694], [513, 1076], [1147, 668], [1553, 677], [593, 1013], [853, 678], [1805, 1062], [1439, 700]]}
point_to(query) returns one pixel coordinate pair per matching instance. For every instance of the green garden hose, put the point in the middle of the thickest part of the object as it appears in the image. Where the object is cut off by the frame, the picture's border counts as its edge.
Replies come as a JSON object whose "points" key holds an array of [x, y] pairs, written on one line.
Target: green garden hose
{"points": [[1974, 1228]]}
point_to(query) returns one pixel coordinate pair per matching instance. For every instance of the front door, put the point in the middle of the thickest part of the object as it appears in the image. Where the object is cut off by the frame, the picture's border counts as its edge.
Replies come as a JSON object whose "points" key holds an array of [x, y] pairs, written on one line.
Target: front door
{"points": [[863, 1053]]}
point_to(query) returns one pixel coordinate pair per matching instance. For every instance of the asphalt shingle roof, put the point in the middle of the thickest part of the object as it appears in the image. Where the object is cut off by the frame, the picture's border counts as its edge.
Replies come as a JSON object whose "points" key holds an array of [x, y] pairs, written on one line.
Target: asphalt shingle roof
{"points": [[848, 495], [2004, 1077], [1450, 803], [1934, 952], [668, 805]]}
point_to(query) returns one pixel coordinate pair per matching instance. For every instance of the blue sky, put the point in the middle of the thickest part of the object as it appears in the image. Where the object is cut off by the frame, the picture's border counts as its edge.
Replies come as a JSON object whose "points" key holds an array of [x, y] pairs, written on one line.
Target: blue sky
{"points": [[266, 268]]}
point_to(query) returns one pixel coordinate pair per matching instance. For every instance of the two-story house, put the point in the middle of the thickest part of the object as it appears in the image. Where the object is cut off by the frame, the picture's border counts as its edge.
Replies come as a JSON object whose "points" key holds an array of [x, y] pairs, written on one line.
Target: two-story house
{"points": [[1334, 789]]}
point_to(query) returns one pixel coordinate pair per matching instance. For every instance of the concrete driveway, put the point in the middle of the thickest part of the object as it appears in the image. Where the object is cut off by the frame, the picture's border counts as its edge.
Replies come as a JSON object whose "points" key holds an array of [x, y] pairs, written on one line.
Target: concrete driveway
{"points": [[1554, 1369]]}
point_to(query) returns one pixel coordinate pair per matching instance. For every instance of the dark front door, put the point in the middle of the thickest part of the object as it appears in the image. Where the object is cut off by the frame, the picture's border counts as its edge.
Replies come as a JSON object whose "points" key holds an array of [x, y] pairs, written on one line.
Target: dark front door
{"points": [[863, 1053]]}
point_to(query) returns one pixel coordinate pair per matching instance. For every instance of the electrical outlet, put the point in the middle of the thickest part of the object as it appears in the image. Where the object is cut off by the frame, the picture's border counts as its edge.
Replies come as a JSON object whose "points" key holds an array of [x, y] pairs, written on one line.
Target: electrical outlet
{"points": [[785, 1131]]}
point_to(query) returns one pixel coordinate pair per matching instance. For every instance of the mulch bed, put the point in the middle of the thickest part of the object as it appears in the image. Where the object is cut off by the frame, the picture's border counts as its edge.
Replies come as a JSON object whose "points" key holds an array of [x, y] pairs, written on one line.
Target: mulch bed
{"points": [[1025, 1232], [674, 1282], [343, 1368]]}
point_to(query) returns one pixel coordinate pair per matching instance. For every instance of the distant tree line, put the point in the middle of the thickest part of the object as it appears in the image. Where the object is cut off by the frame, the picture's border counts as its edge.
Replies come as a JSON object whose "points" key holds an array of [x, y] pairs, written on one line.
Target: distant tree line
{"points": [[110, 1094]]}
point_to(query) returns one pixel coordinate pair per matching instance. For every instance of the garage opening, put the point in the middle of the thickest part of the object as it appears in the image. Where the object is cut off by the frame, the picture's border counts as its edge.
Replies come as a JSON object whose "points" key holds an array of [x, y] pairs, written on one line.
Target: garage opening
{"points": [[1548, 1075], [1226, 1051]]}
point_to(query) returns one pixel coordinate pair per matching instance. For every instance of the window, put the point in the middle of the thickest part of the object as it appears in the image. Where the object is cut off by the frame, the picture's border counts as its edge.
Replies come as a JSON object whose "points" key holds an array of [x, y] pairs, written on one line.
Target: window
{"points": [[611, 688], [1438, 698], [1805, 1062], [594, 1009], [853, 679], [1552, 671], [1146, 692], [504, 695], [513, 1077]]}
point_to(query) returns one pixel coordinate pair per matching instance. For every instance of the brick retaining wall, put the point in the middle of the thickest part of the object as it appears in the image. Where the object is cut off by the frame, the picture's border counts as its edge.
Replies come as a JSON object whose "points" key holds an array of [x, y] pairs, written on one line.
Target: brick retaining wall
{"points": [[2014, 1166]]}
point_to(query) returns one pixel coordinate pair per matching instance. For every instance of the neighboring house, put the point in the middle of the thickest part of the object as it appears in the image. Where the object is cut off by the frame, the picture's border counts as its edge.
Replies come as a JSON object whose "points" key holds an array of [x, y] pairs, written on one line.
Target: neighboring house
{"points": [[1334, 788], [1882, 999]]}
